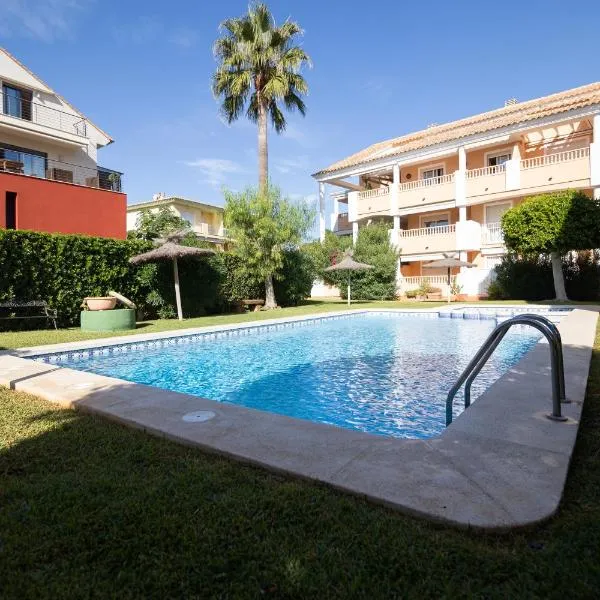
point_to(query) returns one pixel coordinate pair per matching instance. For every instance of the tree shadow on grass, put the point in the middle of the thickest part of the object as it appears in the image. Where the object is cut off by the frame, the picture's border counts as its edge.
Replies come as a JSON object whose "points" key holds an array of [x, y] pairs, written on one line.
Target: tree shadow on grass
{"points": [[89, 508]]}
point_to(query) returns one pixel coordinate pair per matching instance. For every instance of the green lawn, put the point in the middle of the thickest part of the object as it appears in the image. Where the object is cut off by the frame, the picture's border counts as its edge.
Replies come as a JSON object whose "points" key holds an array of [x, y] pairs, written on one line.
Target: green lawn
{"points": [[21, 339], [90, 509]]}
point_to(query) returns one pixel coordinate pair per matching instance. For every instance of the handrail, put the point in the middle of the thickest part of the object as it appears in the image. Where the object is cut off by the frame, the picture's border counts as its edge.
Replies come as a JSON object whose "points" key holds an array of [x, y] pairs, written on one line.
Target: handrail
{"points": [[550, 332]]}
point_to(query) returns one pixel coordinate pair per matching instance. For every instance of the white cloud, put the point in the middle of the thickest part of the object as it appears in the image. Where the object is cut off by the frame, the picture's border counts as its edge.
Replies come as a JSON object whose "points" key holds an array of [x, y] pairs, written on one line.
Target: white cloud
{"points": [[216, 171], [184, 37], [309, 199], [45, 20], [147, 29], [289, 165]]}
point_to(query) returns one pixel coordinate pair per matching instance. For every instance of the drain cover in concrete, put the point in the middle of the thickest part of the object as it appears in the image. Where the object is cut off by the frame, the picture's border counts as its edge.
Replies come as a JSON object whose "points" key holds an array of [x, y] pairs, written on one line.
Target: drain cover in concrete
{"points": [[199, 416]]}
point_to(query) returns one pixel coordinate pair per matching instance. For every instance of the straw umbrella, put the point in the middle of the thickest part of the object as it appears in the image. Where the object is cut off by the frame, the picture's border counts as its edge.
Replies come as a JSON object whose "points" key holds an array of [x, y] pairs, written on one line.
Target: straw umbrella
{"points": [[448, 262], [349, 264], [173, 251]]}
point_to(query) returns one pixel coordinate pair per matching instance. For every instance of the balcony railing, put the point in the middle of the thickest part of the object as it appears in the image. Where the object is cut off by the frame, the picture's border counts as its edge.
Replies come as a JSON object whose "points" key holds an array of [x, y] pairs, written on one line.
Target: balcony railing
{"points": [[429, 182], [427, 231], [491, 233], [374, 193], [17, 162], [40, 114], [210, 230], [552, 159]]}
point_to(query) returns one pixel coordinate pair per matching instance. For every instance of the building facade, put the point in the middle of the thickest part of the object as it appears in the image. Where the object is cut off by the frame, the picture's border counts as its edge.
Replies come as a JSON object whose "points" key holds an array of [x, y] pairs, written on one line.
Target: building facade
{"points": [[50, 179], [206, 220], [443, 190]]}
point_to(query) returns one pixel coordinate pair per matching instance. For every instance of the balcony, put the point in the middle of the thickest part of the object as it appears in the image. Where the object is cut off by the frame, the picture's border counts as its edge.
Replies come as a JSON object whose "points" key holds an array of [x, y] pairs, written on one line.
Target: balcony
{"points": [[423, 192], [374, 202], [17, 162], [207, 230], [551, 171], [491, 235], [342, 223], [25, 114], [465, 235], [486, 181]]}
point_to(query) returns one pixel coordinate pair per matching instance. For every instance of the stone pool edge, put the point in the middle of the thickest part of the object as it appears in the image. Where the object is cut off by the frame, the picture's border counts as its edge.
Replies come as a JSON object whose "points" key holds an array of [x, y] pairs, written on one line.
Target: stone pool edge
{"points": [[501, 464]]}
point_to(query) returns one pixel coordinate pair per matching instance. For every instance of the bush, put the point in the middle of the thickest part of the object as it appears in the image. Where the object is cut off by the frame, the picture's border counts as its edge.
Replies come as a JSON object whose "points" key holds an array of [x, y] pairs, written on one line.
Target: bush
{"points": [[63, 269], [411, 293], [530, 278], [374, 248], [295, 280]]}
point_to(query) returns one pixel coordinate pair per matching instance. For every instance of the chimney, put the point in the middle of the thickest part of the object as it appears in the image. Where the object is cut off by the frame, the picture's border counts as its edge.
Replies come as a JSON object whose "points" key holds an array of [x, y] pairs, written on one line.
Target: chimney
{"points": [[510, 102]]}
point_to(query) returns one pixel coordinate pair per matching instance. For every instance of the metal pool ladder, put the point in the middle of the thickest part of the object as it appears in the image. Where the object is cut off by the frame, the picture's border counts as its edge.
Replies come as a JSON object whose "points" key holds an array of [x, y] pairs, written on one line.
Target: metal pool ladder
{"points": [[550, 332]]}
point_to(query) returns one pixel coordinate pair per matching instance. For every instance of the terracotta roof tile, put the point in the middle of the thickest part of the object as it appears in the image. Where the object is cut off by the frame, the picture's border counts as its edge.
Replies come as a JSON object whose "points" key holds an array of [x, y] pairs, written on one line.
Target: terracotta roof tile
{"points": [[514, 114]]}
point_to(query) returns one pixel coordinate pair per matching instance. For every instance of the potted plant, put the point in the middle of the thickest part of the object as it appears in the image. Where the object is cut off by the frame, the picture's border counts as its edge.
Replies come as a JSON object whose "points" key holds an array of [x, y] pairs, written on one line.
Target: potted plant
{"points": [[455, 290]]}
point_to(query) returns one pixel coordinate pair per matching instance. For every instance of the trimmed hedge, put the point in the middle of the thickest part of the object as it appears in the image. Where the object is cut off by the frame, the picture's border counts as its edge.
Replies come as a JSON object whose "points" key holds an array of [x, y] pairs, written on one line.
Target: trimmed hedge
{"points": [[64, 269], [530, 278]]}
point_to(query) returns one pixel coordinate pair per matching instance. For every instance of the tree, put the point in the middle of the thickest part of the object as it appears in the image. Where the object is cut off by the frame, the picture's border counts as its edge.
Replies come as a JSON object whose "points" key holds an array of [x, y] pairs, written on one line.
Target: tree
{"points": [[553, 224], [259, 69], [152, 225], [264, 225]]}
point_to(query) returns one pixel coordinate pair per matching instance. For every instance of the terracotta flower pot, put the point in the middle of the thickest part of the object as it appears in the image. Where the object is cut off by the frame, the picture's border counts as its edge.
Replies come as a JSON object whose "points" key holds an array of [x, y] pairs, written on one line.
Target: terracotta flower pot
{"points": [[100, 303]]}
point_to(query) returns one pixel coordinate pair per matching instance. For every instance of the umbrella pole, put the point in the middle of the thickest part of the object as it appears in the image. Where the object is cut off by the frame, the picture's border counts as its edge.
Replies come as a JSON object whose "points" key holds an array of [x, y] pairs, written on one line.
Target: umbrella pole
{"points": [[177, 294], [448, 285], [348, 288]]}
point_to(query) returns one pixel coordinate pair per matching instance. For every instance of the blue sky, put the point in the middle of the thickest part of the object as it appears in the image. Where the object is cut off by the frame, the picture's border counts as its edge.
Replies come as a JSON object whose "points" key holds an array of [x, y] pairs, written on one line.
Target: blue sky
{"points": [[141, 70]]}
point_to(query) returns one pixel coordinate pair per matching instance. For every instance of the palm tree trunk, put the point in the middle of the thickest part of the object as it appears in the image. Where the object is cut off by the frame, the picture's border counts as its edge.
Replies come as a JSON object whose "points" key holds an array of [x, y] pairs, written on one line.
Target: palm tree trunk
{"points": [[557, 275], [270, 301], [263, 151]]}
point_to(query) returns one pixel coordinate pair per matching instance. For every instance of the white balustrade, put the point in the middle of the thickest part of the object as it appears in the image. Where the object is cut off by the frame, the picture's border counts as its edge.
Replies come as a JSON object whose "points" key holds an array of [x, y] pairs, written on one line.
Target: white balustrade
{"points": [[427, 231], [430, 181], [492, 234], [552, 159]]}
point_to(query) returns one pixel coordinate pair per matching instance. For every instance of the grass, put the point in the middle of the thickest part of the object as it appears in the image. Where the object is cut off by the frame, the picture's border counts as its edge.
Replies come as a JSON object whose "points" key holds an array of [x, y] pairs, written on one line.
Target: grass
{"points": [[22, 339], [90, 509]]}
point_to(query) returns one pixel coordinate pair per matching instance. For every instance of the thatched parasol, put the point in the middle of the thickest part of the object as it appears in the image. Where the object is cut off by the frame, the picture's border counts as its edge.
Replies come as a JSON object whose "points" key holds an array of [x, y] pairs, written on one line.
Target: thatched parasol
{"points": [[350, 265], [171, 250], [448, 262]]}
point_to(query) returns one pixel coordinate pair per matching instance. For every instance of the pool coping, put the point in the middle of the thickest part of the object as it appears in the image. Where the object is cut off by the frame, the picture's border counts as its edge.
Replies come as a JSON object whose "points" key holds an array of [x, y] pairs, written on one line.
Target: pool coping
{"points": [[501, 464]]}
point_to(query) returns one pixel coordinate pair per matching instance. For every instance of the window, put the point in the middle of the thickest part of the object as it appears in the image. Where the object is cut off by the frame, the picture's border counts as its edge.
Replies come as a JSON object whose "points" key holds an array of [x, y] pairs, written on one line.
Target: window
{"points": [[435, 221], [433, 174], [17, 102], [498, 160], [31, 161], [492, 261]]}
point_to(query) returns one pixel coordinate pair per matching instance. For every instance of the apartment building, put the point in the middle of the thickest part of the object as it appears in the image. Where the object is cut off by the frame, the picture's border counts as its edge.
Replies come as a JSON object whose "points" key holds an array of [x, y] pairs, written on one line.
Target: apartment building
{"points": [[206, 220], [50, 179], [443, 190]]}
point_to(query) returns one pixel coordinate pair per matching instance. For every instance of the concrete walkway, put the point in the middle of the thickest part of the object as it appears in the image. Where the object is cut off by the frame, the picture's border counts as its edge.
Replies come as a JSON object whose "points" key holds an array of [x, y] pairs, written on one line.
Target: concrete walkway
{"points": [[501, 464]]}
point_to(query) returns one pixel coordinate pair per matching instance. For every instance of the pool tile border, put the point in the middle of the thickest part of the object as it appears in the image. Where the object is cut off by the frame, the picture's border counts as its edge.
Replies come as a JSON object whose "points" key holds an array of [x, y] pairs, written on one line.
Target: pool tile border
{"points": [[501, 464]]}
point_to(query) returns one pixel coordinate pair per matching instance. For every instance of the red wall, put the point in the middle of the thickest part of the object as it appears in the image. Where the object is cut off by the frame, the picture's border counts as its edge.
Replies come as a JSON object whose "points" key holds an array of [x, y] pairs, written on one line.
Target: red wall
{"points": [[57, 207]]}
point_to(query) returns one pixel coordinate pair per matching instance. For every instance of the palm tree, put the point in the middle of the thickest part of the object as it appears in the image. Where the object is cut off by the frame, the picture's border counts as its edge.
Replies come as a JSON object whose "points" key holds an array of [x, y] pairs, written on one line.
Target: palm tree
{"points": [[259, 69]]}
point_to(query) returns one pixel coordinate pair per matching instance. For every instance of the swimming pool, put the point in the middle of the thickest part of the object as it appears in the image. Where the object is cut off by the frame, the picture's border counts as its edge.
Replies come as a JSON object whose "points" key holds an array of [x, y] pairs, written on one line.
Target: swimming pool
{"points": [[382, 373]]}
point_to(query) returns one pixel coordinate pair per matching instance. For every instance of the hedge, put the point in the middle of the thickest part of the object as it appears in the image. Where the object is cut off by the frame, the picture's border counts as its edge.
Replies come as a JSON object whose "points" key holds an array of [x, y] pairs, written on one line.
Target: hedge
{"points": [[63, 269], [530, 278]]}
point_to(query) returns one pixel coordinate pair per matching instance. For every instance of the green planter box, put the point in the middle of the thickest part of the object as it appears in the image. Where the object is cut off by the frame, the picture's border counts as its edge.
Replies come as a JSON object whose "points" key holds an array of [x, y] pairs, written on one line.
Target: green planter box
{"points": [[108, 320]]}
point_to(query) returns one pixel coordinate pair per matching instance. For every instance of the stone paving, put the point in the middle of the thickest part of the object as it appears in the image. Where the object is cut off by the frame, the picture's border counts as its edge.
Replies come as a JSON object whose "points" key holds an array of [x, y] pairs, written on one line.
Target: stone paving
{"points": [[501, 464]]}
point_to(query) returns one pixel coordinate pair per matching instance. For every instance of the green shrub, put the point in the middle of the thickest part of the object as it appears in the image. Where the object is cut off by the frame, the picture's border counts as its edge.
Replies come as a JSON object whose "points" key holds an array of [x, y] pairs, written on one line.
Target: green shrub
{"points": [[374, 248], [63, 269], [295, 280], [530, 278], [424, 288], [411, 293]]}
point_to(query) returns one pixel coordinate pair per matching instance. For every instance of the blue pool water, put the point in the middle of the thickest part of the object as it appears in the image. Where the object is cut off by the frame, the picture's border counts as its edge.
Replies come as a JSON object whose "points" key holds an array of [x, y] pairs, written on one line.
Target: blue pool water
{"points": [[383, 374]]}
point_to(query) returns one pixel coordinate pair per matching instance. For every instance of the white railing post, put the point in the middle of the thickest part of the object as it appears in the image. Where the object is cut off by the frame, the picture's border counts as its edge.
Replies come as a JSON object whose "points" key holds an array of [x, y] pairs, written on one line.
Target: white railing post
{"points": [[513, 169], [595, 157], [460, 178], [321, 211], [335, 214]]}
